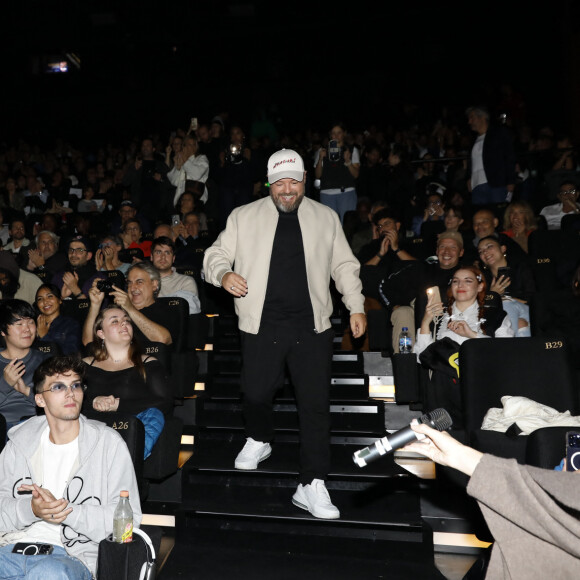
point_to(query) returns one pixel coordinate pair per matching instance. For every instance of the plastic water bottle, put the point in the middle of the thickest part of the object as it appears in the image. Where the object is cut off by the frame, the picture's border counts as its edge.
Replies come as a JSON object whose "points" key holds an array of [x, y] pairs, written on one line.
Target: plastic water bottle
{"points": [[405, 346], [123, 520]]}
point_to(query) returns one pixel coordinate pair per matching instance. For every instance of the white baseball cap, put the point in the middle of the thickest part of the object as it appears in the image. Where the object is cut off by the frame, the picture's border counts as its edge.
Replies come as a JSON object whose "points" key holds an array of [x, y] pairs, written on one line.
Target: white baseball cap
{"points": [[285, 163]]}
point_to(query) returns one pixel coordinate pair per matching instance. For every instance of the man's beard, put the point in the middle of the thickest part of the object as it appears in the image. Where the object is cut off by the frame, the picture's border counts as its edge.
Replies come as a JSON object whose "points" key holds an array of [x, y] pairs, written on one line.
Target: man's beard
{"points": [[287, 208]]}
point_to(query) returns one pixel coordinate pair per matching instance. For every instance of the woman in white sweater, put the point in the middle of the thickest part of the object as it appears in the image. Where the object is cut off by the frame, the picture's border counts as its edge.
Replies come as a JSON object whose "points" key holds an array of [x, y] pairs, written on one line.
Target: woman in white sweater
{"points": [[464, 316]]}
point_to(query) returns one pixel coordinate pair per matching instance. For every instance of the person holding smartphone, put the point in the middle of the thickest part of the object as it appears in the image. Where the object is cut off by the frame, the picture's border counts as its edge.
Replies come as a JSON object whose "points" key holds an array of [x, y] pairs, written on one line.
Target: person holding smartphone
{"points": [[515, 284], [337, 168], [461, 319]]}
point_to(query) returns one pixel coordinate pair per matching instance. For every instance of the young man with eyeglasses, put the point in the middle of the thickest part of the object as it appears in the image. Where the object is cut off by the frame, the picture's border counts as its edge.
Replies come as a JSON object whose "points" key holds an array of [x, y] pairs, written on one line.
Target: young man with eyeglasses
{"points": [[568, 196], [172, 283], [76, 280], [60, 479], [18, 360]]}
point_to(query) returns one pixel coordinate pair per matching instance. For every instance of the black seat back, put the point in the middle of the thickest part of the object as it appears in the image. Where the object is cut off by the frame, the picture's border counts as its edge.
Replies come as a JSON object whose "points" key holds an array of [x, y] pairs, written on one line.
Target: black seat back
{"points": [[177, 318], [133, 433], [538, 368], [547, 446], [77, 309], [48, 347]]}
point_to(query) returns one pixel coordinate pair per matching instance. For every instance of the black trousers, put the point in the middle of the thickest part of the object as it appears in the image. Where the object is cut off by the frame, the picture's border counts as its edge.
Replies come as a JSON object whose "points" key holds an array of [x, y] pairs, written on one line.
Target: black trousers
{"points": [[308, 357]]}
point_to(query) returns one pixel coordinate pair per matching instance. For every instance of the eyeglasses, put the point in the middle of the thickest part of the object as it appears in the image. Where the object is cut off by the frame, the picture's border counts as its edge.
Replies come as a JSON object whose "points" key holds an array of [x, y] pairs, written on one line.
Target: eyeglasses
{"points": [[437, 202], [76, 250], [568, 192], [57, 388]]}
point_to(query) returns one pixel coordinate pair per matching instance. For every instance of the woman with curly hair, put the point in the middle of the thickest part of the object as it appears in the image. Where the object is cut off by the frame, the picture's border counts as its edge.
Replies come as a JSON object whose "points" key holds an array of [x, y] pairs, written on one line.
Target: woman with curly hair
{"points": [[519, 222]]}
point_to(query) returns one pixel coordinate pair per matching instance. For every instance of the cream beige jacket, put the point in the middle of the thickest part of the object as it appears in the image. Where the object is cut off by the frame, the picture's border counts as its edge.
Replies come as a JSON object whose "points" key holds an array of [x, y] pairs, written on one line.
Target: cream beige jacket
{"points": [[245, 247]]}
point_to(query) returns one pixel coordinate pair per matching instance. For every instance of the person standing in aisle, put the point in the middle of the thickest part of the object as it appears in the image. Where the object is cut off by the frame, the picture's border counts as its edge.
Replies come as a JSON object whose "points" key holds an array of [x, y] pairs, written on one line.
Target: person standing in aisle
{"points": [[285, 249]]}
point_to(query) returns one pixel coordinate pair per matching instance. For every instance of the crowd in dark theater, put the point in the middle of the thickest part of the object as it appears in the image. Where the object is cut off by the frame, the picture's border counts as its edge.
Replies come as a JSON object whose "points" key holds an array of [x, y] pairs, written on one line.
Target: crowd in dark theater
{"points": [[462, 226]]}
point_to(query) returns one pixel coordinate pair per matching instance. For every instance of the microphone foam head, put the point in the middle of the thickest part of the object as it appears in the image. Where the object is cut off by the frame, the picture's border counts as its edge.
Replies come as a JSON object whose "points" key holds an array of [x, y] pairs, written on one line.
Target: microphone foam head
{"points": [[437, 419]]}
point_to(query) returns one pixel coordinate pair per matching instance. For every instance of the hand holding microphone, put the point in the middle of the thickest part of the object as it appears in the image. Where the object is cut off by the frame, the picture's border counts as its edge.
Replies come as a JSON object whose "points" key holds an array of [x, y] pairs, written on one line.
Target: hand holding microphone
{"points": [[437, 419]]}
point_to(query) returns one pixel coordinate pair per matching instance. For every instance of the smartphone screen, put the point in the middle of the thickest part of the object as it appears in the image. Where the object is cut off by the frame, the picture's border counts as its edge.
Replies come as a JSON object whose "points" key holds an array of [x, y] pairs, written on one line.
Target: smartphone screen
{"points": [[434, 292], [504, 271], [572, 450]]}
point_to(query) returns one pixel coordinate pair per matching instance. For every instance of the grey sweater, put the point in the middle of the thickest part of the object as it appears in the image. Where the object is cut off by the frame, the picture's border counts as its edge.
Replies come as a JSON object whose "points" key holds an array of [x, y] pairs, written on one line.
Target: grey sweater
{"points": [[13, 404], [533, 515], [103, 469]]}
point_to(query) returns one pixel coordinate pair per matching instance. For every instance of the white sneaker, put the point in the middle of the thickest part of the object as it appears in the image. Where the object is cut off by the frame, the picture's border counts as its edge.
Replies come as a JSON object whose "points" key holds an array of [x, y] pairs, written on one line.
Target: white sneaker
{"points": [[315, 499], [252, 453]]}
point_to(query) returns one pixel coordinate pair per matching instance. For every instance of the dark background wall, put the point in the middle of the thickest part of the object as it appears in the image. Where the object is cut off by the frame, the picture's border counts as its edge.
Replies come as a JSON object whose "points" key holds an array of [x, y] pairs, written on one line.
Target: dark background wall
{"points": [[149, 66]]}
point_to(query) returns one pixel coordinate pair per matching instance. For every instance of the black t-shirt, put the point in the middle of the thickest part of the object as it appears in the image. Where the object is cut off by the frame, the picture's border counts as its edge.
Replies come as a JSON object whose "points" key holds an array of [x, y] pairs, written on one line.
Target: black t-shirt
{"points": [[287, 300]]}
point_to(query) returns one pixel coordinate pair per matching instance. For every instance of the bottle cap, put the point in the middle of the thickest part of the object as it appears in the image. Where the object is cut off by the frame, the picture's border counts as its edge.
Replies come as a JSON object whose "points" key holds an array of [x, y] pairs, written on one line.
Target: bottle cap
{"points": [[124, 493]]}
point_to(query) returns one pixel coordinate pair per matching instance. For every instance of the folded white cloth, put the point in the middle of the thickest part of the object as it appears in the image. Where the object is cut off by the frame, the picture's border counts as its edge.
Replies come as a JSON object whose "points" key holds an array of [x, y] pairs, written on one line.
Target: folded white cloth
{"points": [[527, 414]]}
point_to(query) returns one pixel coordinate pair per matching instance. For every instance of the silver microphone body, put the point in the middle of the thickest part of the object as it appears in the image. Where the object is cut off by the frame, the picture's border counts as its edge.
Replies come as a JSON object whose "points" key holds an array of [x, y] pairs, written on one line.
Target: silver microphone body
{"points": [[437, 419]]}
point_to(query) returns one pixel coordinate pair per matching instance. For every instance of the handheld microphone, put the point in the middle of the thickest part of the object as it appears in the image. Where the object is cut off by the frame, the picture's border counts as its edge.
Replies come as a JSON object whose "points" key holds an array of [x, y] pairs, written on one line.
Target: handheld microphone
{"points": [[437, 419]]}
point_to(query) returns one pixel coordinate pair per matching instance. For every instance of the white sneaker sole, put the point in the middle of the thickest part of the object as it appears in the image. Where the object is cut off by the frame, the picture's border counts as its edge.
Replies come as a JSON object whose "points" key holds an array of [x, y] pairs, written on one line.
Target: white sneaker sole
{"points": [[334, 516], [248, 467]]}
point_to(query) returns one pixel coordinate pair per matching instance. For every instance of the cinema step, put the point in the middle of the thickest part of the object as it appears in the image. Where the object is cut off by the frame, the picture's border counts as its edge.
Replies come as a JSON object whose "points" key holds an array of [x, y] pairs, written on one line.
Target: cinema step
{"points": [[342, 388], [230, 362], [215, 451], [362, 418], [389, 503]]}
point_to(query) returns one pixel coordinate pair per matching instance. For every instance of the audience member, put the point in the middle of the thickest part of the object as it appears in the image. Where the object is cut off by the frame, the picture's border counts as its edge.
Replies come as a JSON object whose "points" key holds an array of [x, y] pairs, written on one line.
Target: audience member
{"points": [[73, 515], [148, 316], [44, 259], [18, 240], [404, 292], [368, 232], [132, 237], [568, 196], [52, 325], [464, 317], [384, 255], [236, 174], [519, 222], [515, 285], [18, 360], [78, 276], [120, 378], [107, 255], [15, 282], [128, 210], [485, 223], [493, 165], [189, 166], [4, 230], [531, 512], [147, 180], [337, 167], [172, 283]]}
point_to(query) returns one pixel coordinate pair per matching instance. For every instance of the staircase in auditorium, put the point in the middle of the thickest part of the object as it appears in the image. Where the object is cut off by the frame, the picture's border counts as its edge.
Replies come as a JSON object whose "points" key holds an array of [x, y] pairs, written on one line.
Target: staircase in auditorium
{"points": [[242, 524]]}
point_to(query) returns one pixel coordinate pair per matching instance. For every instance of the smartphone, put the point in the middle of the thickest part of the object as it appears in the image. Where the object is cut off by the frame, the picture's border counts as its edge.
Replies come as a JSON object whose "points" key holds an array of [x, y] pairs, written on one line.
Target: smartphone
{"points": [[504, 271], [193, 125], [175, 220], [434, 292], [572, 450], [32, 549], [334, 151]]}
